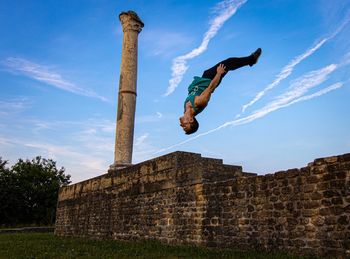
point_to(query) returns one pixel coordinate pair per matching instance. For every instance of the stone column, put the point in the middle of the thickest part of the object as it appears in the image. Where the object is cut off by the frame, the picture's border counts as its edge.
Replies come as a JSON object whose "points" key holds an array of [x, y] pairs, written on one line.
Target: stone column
{"points": [[132, 26]]}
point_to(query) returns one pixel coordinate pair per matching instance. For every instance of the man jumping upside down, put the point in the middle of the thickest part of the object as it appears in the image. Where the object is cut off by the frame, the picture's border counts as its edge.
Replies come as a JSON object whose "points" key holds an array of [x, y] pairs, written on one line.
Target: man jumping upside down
{"points": [[201, 88]]}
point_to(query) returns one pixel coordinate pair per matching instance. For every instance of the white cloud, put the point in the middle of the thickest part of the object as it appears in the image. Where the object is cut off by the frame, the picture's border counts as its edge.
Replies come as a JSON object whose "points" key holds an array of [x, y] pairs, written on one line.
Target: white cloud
{"points": [[149, 118], [84, 148], [95, 136], [83, 129], [5, 142], [225, 10], [161, 42], [288, 69], [13, 106], [346, 59], [79, 165], [301, 85], [143, 149], [45, 74], [50, 150], [317, 94], [141, 139]]}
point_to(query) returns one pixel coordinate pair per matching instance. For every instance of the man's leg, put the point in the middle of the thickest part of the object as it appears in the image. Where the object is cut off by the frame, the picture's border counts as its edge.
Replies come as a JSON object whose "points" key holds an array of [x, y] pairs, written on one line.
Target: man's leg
{"points": [[232, 64]]}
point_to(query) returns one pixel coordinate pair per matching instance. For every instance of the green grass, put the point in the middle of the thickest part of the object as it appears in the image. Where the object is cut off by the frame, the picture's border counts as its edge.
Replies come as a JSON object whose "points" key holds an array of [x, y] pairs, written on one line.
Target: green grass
{"points": [[39, 245]]}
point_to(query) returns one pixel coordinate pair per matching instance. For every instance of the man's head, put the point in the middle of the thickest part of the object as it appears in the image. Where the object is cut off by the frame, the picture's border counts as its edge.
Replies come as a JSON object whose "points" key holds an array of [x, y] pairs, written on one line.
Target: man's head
{"points": [[189, 124]]}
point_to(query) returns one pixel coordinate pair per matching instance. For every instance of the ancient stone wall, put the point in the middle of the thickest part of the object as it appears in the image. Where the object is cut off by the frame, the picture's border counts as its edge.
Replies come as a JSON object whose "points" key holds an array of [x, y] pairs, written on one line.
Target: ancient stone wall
{"points": [[183, 198]]}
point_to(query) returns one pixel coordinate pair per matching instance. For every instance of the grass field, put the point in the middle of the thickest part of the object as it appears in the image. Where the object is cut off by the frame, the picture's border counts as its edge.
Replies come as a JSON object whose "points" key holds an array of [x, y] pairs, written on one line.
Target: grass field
{"points": [[38, 245]]}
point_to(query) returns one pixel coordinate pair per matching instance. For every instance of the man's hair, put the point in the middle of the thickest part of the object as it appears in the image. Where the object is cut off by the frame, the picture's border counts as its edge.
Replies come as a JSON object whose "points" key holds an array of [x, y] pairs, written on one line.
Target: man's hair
{"points": [[194, 126]]}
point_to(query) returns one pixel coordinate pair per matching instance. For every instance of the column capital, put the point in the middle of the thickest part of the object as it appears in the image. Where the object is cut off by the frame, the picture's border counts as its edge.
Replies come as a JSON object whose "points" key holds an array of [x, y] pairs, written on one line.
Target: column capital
{"points": [[130, 21]]}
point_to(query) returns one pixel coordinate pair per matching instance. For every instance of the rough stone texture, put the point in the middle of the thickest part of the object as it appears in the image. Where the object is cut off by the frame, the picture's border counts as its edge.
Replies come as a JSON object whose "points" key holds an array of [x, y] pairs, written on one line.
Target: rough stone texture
{"points": [[132, 26], [183, 198]]}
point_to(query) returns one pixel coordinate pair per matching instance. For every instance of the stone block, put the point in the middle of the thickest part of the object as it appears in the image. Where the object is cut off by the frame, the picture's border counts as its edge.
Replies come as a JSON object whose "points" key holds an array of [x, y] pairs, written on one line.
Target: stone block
{"points": [[309, 188], [331, 193], [322, 186], [312, 204], [310, 228], [330, 220], [319, 169], [279, 206], [318, 161], [342, 174], [343, 220], [312, 179], [337, 200], [318, 221], [280, 175], [337, 210], [292, 173], [309, 212], [345, 157], [325, 211], [332, 159], [316, 196], [347, 209], [287, 190], [338, 184]]}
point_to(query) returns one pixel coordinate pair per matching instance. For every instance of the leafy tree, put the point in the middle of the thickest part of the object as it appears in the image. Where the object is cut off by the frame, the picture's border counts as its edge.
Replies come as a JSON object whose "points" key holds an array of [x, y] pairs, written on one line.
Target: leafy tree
{"points": [[29, 190], [10, 196]]}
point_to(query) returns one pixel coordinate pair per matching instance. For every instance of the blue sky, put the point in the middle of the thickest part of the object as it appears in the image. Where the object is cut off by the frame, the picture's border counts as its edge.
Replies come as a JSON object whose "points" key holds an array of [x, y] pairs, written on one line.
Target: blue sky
{"points": [[60, 65]]}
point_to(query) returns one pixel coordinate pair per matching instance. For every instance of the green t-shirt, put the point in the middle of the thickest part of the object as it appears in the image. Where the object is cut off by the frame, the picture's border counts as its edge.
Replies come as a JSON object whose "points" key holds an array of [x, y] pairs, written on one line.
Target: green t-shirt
{"points": [[198, 85]]}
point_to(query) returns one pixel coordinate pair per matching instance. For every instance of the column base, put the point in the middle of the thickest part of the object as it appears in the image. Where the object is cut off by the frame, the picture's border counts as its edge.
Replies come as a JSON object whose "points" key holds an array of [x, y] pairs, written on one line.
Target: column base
{"points": [[118, 166]]}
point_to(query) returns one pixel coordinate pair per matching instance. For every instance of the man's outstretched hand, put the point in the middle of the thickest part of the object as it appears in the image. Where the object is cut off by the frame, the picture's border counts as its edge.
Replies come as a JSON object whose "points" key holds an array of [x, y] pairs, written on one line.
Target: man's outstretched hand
{"points": [[221, 69]]}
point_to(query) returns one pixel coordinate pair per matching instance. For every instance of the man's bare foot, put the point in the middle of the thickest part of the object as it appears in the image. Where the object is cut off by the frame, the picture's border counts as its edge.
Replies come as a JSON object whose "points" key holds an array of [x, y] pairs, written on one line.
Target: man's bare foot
{"points": [[255, 56]]}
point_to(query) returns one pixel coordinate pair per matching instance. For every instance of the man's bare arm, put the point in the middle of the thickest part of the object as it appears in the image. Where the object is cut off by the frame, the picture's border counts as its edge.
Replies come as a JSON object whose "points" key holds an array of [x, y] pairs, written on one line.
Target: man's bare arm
{"points": [[203, 99]]}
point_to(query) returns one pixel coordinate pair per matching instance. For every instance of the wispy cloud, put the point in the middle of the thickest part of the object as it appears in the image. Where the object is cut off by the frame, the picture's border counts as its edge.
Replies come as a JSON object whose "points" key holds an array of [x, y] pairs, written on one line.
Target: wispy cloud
{"points": [[141, 139], [76, 145], [87, 127], [333, 11], [288, 69], [46, 75], [149, 118], [225, 10], [159, 42], [10, 107], [295, 94], [5, 142], [301, 85], [95, 135], [143, 149], [346, 59], [93, 165], [80, 146]]}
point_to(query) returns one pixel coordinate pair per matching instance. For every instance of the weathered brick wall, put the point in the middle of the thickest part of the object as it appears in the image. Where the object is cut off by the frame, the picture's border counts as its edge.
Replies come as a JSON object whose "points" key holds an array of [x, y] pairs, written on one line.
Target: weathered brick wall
{"points": [[304, 210], [184, 198]]}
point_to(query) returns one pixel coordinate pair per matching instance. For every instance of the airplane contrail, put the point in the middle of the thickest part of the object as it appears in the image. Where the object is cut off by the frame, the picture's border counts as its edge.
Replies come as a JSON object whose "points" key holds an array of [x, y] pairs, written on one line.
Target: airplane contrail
{"points": [[288, 69], [226, 9]]}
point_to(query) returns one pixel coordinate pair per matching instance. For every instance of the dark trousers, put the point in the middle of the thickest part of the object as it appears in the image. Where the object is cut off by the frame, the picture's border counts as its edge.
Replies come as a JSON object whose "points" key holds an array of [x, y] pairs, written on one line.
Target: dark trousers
{"points": [[230, 64]]}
